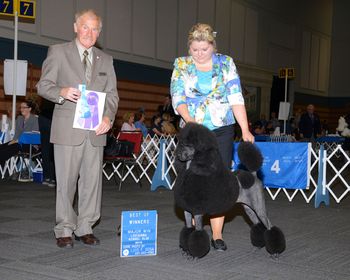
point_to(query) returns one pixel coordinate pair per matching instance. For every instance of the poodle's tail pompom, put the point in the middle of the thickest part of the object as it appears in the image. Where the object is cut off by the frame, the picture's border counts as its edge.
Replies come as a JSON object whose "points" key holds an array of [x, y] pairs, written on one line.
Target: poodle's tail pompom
{"points": [[257, 235], [198, 243], [184, 236], [275, 241], [250, 156]]}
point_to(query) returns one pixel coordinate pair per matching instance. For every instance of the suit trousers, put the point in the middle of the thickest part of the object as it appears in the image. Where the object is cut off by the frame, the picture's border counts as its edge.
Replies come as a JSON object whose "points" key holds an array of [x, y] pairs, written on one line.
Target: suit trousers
{"points": [[80, 164]]}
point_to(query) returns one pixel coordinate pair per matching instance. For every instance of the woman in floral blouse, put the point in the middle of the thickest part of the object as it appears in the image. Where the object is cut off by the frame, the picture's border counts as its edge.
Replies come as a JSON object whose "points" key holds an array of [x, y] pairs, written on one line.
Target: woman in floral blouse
{"points": [[206, 89]]}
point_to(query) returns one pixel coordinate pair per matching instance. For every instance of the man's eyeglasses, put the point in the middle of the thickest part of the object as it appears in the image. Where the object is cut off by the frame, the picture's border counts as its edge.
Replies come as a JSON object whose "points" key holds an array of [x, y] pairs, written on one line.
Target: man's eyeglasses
{"points": [[24, 107]]}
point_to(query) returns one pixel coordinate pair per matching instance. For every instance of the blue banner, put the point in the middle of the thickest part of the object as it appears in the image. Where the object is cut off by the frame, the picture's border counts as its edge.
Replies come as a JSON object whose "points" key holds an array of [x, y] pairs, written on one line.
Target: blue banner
{"points": [[285, 165], [138, 233]]}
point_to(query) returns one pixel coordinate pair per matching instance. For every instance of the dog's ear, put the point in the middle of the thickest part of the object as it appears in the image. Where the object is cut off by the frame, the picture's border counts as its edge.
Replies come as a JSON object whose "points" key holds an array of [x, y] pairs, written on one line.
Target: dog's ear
{"points": [[206, 162]]}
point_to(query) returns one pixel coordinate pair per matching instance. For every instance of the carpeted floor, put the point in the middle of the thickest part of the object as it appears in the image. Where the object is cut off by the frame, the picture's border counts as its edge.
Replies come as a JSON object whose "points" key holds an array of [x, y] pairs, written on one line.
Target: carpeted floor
{"points": [[318, 240]]}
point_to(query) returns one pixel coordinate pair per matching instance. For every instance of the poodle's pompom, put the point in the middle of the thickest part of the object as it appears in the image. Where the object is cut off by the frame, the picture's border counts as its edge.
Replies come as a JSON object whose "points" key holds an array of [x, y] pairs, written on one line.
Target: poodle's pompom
{"points": [[250, 156], [198, 243], [245, 178], [184, 236], [257, 235], [275, 242]]}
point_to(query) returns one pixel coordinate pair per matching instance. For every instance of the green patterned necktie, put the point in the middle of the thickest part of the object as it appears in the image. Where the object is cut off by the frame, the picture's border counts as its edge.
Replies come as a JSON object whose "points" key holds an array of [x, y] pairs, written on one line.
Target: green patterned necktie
{"points": [[87, 66]]}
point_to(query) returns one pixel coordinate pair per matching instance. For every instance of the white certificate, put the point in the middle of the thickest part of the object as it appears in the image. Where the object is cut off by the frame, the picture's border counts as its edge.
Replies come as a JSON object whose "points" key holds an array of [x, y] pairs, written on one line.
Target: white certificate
{"points": [[89, 109]]}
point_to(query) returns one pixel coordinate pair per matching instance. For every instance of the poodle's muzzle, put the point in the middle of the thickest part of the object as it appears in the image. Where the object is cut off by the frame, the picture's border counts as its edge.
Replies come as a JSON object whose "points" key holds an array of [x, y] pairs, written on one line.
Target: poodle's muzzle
{"points": [[185, 152]]}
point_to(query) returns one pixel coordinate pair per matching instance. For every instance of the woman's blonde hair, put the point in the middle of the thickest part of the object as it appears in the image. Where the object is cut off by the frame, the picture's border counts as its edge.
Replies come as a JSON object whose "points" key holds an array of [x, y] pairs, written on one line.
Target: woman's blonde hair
{"points": [[202, 32], [127, 116]]}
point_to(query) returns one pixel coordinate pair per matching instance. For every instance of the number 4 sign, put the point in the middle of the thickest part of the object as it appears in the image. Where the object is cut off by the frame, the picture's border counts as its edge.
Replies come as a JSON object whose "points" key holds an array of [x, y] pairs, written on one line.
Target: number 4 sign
{"points": [[285, 165]]}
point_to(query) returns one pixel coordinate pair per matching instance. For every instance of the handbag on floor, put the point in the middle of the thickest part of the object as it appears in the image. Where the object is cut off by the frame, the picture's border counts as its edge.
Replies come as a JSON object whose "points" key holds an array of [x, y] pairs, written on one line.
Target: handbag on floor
{"points": [[117, 147]]}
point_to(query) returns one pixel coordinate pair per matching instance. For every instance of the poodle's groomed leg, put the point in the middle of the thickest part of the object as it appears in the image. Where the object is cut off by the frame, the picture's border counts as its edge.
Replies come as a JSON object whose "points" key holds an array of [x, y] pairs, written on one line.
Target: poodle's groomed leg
{"points": [[186, 232], [257, 217], [188, 219], [198, 220], [198, 241]]}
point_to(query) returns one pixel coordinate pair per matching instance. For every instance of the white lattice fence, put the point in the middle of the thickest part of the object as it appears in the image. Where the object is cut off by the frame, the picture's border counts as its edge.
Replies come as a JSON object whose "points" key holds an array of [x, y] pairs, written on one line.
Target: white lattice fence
{"points": [[13, 165], [337, 171], [337, 177]]}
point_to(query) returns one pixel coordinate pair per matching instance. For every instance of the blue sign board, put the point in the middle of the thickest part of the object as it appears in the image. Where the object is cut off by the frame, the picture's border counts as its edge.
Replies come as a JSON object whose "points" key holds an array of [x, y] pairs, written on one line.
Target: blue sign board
{"points": [[285, 165], [138, 233]]}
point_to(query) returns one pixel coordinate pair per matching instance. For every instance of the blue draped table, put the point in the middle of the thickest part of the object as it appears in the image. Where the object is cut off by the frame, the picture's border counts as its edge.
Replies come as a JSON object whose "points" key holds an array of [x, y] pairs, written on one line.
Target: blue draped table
{"points": [[329, 142], [330, 139], [30, 138]]}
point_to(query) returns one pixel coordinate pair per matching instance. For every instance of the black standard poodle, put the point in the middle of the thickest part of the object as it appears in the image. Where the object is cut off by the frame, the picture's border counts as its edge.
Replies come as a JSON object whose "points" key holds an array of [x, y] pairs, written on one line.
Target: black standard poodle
{"points": [[204, 186]]}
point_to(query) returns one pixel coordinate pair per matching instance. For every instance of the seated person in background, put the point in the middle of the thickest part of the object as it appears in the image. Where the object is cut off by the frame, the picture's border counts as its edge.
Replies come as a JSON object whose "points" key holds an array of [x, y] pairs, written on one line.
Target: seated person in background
{"points": [[156, 127], [269, 128], [263, 120], [27, 121], [168, 109], [128, 124], [167, 127], [258, 128], [8, 120], [140, 123], [275, 122]]}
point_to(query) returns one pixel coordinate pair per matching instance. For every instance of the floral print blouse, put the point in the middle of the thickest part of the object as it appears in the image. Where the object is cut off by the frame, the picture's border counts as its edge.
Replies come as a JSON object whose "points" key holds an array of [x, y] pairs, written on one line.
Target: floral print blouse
{"points": [[212, 109]]}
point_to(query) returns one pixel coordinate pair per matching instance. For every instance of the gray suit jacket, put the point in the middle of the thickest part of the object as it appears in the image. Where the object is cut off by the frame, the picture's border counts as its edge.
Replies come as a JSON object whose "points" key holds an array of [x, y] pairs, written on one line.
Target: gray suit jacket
{"points": [[63, 68]]}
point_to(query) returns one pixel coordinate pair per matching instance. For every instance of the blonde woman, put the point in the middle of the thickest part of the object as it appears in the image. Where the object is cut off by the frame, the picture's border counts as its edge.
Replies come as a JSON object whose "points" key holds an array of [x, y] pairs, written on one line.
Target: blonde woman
{"points": [[206, 89], [128, 124]]}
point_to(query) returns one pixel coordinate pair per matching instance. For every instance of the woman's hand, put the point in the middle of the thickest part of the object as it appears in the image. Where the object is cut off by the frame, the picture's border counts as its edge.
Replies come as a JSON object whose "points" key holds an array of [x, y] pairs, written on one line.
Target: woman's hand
{"points": [[247, 136]]}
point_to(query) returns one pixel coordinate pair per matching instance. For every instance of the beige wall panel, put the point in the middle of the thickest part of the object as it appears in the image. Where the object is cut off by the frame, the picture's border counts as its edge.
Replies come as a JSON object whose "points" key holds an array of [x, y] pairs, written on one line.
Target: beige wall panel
{"points": [[324, 63], [57, 18], [222, 26], [237, 31], [166, 30], [143, 28], [305, 60], [187, 17], [8, 22], [118, 29], [251, 36], [280, 58], [282, 34], [314, 61], [206, 12]]}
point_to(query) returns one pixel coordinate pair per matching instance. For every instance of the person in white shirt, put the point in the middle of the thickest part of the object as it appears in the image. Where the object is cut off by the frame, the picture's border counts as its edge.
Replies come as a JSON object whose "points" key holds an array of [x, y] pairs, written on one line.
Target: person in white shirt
{"points": [[128, 124]]}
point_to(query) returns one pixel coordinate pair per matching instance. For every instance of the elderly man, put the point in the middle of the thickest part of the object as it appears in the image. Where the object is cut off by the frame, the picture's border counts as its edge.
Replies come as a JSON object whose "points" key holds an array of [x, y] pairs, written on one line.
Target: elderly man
{"points": [[309, 124], [78, 152]]}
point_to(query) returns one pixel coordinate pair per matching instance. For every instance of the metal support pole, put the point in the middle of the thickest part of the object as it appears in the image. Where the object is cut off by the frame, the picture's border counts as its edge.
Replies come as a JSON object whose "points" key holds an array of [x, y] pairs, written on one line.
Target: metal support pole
{"points": [[285, 101], [13, 128]]}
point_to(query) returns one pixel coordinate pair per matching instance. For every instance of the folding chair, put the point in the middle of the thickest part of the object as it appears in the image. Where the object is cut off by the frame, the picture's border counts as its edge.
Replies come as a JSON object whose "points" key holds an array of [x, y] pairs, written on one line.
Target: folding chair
{"points": [[28, 158], [126, 163]]}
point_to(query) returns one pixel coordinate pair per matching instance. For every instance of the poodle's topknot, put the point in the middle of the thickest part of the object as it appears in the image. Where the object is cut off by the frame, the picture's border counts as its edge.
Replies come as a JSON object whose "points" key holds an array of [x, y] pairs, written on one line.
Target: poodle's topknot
{"points": [[250, 156]]}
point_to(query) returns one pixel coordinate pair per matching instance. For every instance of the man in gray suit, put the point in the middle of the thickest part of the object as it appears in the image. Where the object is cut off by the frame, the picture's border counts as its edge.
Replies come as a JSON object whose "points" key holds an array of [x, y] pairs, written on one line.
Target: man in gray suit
{"points": [[78, 152]]}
